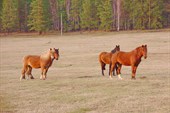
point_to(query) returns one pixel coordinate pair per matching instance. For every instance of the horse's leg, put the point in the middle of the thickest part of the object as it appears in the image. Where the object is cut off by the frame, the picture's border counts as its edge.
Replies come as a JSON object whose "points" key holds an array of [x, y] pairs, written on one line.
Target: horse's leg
{"points": [[45, 73], [115, 68], [42, 72], [112, 65], [134, 72], [25, 68], [29, 72], [102, 67], [119, 70]]}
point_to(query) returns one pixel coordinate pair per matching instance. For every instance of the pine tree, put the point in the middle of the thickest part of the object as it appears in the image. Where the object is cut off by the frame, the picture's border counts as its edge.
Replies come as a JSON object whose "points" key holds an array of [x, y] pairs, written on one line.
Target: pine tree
{"points": [[0, 14], [9, 16], [38, 19], [23, 11], [89, 15], [105, 15], [154, 13], [74, 19], [54, 14], [63, 14]]}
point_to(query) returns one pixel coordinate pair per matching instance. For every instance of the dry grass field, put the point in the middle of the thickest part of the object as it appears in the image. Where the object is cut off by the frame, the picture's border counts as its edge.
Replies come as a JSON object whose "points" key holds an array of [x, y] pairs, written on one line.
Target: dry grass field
{"points": [[74, 83]]}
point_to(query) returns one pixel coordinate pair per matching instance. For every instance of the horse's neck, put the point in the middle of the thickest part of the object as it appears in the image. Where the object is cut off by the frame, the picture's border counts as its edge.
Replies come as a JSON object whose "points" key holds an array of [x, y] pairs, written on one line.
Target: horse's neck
{"points": [[113, 51], [46, 56], [138, 53]]}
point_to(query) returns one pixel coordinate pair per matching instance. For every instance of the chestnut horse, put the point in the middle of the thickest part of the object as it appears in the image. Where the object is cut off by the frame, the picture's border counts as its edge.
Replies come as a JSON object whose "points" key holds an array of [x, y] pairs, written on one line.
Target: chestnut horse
{"points": [[132, 59], [104, 58], [43, 61]]}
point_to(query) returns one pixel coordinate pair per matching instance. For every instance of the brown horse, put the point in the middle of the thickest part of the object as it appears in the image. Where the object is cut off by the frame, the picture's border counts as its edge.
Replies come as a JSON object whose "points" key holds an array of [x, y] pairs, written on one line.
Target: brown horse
{"points": [[132, 59], [104, 58], [43, 61]]}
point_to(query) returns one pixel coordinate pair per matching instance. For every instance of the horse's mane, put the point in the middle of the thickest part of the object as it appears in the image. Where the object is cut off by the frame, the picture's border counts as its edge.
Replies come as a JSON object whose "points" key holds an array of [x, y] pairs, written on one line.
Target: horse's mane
{"points": [[45, 54], [113, 51], [137, 50]]}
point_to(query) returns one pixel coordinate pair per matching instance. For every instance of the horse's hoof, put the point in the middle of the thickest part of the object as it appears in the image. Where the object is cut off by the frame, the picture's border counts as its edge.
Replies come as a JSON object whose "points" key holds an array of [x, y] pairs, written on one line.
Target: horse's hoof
{"points": [[119, 77], [32, 77], [20, 78], [133, 78]]}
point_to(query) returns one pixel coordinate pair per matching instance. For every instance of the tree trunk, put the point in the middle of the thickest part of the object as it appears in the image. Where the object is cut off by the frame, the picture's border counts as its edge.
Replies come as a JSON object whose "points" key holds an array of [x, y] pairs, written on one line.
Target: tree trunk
{"points": [[68, 4], [118, 15], [149, 14], [114, 8], [54, 13]]}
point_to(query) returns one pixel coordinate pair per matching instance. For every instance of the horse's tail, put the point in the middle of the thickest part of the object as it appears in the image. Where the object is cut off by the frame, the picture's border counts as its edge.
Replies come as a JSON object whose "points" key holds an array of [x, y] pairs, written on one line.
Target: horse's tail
{"points": [[24, 68]]}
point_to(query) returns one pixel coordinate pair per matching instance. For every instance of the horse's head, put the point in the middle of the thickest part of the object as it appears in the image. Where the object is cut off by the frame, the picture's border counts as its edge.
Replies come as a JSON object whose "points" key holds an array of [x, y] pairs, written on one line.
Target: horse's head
{"points": [[144, 51], [54, 53], [117, 48]]}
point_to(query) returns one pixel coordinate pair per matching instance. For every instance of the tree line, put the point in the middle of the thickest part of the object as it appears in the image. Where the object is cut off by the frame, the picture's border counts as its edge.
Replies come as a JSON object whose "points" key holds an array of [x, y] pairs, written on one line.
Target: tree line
{"points": [[78, 15]]}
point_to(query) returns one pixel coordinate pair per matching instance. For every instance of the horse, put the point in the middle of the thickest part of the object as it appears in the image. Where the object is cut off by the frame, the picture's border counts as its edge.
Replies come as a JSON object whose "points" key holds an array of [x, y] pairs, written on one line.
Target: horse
{"points": [[132, 59], [43, 61], [104, 58]]}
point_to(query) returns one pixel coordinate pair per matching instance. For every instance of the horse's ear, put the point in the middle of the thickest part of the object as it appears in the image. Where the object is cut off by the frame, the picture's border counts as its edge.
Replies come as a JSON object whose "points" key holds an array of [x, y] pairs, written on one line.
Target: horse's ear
{"points": [[142, 45], [50, 49], [145, 45]]}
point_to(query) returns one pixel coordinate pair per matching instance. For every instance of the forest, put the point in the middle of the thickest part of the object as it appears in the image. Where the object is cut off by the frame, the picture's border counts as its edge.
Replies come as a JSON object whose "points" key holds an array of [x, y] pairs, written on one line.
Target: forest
{"points": [[83, 15]]}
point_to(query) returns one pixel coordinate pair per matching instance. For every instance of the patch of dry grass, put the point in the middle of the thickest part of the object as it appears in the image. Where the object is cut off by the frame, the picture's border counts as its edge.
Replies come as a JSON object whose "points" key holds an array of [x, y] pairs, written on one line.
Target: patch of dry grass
{"points": [[74, 83]]}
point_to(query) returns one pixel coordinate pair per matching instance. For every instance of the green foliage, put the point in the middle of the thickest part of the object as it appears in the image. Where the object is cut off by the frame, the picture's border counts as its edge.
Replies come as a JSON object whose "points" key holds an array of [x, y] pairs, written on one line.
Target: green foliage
{"points": [[156, 14], [40, 15], [88, 15], [9, 15], [0, 14], [144, 14], [75, 11], [37, 18], [105, 15], [62, 12]]}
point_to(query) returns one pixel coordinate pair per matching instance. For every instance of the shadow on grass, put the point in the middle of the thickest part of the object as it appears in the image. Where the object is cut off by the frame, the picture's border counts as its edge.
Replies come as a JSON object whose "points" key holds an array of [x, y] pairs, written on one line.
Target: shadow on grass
{"points": [[86, 77], [81, 110]]}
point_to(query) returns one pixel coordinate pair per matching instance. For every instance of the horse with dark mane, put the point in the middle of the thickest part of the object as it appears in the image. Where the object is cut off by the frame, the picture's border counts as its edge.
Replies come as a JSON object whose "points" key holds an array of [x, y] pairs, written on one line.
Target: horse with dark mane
{"points": [[132, 59], [43, 61], [105, 58]]}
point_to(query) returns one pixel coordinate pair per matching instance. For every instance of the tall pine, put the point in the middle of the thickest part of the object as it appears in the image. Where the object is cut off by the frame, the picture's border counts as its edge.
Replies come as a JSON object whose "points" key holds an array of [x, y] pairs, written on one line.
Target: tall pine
{"points": [[74, 17], [38, 19], [105, 15], [0, 14], [9, 18], [89, 15]]}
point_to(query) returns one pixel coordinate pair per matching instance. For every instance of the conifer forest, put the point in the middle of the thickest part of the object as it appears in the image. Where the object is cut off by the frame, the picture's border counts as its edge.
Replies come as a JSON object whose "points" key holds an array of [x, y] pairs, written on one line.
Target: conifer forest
{"points": [[83, 15]]}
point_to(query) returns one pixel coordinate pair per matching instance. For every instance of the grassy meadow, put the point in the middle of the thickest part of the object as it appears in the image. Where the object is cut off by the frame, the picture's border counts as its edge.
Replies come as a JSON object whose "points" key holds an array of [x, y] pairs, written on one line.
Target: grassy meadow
{"points": [[74, 83]]}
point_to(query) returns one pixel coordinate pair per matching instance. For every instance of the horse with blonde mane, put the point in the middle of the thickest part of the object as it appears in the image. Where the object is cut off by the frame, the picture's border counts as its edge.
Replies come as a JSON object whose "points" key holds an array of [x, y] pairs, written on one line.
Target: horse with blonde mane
{"points": [[132, 59], [105, 58], [43, 61]]}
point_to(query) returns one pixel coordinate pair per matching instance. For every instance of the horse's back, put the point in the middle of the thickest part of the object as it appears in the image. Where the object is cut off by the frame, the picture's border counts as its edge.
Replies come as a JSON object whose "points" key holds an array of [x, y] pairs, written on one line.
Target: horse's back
{"points": [[124, 57], [32, 60], [105, 57]]}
